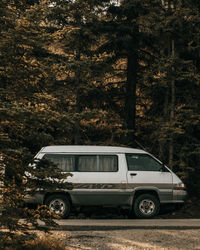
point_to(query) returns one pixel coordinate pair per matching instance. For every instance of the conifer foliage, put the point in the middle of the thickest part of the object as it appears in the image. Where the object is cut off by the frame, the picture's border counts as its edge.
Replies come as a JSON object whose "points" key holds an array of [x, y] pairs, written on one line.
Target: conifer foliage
{"points": [[24, 114], [173, 89], [97, 72]]}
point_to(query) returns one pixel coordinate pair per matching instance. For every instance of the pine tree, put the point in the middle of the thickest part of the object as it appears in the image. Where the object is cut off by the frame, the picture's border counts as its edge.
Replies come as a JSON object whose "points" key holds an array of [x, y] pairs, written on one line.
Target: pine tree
{"points": [[24, 64], [130, 38], [81, 85], [174, 89]]}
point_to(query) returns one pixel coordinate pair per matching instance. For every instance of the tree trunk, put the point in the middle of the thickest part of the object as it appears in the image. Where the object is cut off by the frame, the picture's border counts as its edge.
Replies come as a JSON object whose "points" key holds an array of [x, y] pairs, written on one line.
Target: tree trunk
{"points": [[171, 143], [77, 132], [130, 104], [165, 119]]}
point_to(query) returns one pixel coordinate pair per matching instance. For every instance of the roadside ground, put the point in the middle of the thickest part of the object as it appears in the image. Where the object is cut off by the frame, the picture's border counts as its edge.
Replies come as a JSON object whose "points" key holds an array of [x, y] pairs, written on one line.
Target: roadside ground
{"points": [[128, 239]]}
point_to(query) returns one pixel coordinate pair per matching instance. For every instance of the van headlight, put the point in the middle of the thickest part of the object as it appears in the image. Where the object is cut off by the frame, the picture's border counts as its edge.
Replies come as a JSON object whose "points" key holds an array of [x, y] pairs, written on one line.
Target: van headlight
{"points": [[179, 186]]}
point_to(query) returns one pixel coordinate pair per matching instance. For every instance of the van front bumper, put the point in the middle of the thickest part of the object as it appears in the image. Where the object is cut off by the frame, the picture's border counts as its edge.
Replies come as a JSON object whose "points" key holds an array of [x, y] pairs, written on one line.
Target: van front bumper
{"points": [[179, 196]]}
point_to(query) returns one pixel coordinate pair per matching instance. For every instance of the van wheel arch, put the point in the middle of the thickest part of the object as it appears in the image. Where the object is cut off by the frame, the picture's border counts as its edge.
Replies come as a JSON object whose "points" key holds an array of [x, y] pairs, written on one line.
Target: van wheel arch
{"points": [[140, 192], [47, 195]]}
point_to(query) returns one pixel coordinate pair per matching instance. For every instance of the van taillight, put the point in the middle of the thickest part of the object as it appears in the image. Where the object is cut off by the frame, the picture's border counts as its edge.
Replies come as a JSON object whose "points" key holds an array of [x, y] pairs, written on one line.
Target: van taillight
{"points": [[179, 186]]}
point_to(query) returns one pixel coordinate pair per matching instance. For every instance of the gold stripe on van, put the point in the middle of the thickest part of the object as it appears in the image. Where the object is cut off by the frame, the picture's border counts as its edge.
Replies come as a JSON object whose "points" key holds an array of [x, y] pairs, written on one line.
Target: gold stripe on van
{"points": [[120, 185]]}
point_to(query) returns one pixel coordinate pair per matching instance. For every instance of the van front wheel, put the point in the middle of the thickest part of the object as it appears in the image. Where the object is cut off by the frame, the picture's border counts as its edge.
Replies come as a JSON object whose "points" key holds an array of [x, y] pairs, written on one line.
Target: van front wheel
{"points": [[146, 206], [59, 204]]}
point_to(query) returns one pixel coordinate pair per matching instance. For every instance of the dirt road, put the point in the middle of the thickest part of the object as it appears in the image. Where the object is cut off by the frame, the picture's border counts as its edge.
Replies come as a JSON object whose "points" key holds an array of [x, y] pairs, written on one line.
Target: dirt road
{"points": [[128, 234], [130, 239]]}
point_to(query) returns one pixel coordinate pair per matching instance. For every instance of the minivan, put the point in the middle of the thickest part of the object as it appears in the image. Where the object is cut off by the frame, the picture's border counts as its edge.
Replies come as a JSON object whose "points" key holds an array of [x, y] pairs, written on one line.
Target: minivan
{"points": [[111, 176]]}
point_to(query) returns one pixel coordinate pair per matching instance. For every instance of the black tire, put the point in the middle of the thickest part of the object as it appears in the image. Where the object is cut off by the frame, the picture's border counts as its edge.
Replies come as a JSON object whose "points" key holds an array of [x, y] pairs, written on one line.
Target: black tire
{"points": [[59, 204], [146, 206]]}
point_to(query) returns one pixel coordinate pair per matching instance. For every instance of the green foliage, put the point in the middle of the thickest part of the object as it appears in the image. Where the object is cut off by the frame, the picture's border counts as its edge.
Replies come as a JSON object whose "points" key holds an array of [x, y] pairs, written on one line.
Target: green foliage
{"points": [[20, 182], [28, 120], [97, 72], [173, 92], [80, 82]]}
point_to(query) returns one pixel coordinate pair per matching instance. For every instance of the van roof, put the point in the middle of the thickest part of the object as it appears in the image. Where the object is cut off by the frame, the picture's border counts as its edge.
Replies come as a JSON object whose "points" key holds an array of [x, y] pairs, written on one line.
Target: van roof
{"points": [[89, 149]]}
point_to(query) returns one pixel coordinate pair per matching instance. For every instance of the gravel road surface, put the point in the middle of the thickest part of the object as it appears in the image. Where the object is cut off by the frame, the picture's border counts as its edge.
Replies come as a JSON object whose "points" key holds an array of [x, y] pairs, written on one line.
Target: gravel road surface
{"points": [[129, 234], [129, 239]]}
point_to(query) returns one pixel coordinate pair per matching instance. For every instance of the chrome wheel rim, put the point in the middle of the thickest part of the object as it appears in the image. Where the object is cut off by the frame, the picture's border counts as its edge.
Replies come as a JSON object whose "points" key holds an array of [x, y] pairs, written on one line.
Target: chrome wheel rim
{"points": [[147, 207], [57, 206]]}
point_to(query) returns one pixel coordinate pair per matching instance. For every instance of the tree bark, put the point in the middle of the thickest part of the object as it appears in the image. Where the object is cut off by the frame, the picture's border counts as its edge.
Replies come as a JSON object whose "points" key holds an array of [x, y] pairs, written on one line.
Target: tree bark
{"points": [[130, 103], [171, 143], [77, 131]]}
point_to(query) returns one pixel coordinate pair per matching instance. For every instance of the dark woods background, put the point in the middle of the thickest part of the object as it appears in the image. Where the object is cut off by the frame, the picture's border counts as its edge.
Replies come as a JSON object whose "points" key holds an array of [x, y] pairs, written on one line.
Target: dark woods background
{"points": [[102, 73]]}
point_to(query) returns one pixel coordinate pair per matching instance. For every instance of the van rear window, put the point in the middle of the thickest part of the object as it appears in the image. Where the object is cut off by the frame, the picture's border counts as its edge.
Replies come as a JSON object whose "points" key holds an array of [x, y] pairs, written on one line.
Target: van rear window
{"points": [[84, 163], [65, 162]]}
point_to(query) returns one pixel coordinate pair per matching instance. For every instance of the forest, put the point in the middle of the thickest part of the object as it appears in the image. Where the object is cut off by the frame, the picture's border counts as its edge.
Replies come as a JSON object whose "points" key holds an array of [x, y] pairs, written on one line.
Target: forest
{"points": [[102, 72]]}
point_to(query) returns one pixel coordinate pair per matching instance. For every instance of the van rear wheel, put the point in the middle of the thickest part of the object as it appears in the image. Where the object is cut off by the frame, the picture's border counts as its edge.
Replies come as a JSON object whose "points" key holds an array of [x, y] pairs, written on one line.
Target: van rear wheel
{"points": [[59, 204], [146, 206]]}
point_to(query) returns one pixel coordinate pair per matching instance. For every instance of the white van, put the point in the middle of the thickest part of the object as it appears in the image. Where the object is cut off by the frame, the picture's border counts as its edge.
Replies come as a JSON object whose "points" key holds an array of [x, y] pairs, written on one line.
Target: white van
{"points": [[111, 176]]}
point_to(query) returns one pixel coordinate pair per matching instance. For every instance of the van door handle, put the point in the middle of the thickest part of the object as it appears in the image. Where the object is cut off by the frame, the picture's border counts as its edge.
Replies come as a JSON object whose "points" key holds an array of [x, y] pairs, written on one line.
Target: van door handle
{"points": [[133, 174]]}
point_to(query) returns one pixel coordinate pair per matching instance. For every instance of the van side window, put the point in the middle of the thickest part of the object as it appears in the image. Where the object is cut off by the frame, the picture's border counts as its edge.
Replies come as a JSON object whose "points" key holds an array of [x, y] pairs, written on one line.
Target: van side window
{"points": [[87, 163], [97, 163], [65, 162], [84, 163], [141, 162]]}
